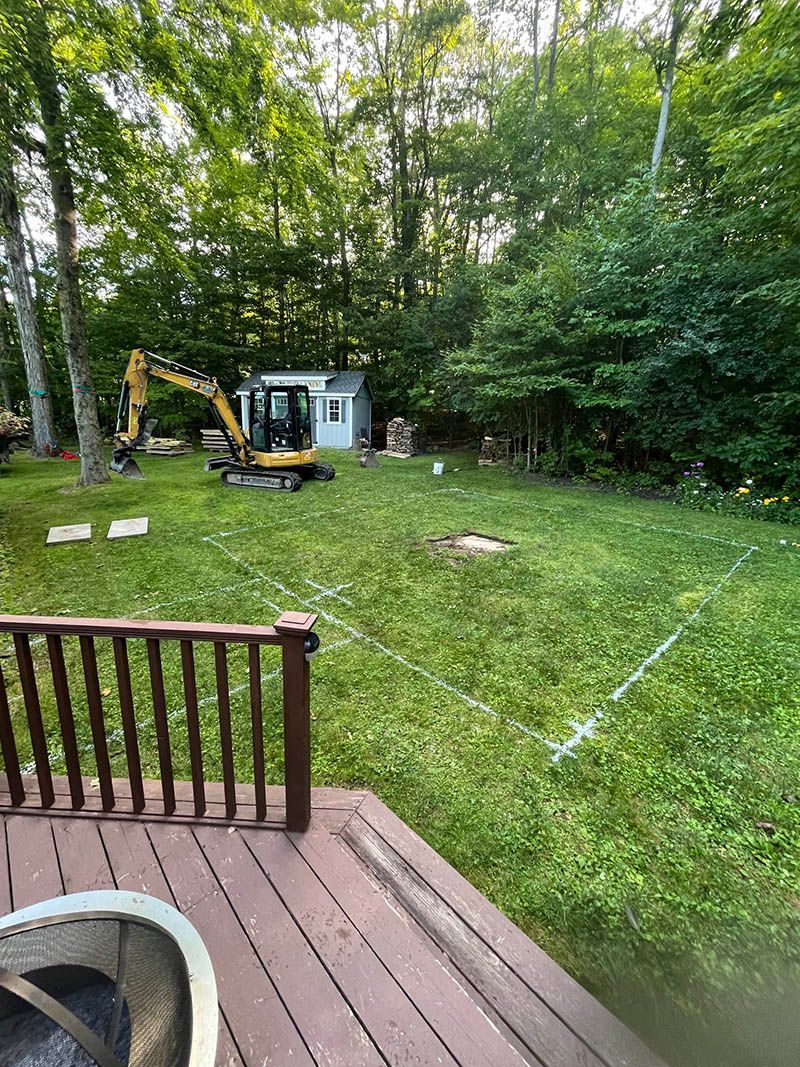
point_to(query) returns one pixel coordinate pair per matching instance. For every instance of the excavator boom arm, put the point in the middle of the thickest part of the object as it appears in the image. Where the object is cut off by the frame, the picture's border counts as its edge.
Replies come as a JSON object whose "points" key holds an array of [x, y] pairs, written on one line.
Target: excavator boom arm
{"points": [[134, 428]]}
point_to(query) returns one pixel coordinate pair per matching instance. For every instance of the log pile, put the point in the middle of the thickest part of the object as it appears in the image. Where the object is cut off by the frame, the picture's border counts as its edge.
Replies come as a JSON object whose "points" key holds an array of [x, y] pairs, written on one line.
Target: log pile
{"points": [[402, 438], [490, 452]]}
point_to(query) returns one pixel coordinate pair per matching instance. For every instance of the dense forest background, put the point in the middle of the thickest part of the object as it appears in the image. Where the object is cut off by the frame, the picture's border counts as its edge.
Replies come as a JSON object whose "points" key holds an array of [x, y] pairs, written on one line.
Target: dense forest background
{"points": [[574, 222]]}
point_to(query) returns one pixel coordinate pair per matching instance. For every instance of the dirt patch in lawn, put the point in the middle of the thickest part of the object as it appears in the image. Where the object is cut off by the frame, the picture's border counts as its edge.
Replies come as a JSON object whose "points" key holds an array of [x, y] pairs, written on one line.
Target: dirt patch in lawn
{"points": [[468, 545]]}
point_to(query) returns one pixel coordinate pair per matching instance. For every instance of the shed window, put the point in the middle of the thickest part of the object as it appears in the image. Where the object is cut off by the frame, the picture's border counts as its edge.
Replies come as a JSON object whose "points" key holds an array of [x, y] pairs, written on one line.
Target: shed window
{"points": [[334, 409]]}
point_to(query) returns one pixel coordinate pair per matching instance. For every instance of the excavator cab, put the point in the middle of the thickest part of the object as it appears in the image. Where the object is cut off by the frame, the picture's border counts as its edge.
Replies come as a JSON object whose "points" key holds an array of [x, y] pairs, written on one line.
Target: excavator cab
{"points": [[280, 419]]}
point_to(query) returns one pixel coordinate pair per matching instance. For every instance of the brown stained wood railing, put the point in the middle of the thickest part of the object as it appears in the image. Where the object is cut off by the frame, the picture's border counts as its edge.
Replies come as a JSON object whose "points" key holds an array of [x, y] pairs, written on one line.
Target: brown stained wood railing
{"points": [[97, 720], [30, 693], [58, 669], [289, 632], [122, 667], [193, 727]]}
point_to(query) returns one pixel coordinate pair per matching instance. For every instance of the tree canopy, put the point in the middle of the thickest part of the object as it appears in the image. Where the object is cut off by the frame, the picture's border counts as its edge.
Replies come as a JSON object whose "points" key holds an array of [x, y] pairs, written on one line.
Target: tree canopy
{"points": [[568, 223]]}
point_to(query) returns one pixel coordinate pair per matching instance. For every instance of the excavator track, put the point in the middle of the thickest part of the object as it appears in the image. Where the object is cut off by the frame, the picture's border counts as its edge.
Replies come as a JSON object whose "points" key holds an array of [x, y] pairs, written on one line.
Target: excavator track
{"points": [[320, 472], [281, 481], [324, 472]]}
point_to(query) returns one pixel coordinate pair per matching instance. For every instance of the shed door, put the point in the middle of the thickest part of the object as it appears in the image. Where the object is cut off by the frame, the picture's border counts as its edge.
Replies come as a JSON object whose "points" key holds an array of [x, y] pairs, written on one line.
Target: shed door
{"points": [[314, 427]]}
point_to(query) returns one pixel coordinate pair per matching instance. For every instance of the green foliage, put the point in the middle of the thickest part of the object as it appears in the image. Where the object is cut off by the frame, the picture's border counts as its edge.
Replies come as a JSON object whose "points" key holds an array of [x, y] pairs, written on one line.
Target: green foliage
{"points": [[418, 193], [748, 500]]}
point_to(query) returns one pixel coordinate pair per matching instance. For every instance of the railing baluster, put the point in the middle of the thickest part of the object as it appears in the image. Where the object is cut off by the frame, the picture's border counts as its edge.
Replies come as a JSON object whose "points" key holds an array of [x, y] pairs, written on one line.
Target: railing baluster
{"points": [[193, 727], [8, 746], [97, 720], [162, 723], [123, 670], [55, 652], [27, 677], [254, 665], [225, 742]]}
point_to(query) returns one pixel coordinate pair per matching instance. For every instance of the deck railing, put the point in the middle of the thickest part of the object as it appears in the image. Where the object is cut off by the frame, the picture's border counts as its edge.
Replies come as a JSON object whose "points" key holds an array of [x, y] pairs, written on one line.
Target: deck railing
{"points": [[133, 794]]}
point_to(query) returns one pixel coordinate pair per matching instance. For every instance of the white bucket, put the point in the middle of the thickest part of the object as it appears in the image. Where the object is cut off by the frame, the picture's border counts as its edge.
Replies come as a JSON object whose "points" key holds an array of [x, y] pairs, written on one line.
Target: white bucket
{"points": [[438, 467]]}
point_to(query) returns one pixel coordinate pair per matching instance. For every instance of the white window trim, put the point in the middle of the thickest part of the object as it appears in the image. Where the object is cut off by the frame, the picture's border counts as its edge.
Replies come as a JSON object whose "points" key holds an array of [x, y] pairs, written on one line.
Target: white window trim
{"points": [[340, 417]]}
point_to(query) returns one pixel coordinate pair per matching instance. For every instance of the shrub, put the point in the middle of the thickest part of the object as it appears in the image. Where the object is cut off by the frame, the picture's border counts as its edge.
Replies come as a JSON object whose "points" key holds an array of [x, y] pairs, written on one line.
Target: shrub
{"points": [[747, 500]]}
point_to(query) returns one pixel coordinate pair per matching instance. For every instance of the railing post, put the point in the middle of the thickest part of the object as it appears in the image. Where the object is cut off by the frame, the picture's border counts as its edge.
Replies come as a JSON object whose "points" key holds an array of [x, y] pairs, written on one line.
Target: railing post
{"points": [[294, 627]]}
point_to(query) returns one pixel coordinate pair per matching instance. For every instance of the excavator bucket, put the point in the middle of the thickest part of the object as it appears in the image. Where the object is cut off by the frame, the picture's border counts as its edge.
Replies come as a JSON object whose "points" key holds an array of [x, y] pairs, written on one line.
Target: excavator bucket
{"points": [[123, 463], [122, 460]]}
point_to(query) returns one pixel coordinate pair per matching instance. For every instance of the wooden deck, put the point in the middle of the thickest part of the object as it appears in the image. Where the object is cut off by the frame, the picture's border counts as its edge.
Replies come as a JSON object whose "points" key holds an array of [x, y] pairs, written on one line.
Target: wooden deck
{"points": [[351, 944]]}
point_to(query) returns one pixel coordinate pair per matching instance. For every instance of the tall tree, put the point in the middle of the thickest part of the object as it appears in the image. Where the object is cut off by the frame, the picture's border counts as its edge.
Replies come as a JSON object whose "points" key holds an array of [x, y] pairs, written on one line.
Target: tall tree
{"points": [[42, 430], [5, 352], [665, 67], [44, 75]]}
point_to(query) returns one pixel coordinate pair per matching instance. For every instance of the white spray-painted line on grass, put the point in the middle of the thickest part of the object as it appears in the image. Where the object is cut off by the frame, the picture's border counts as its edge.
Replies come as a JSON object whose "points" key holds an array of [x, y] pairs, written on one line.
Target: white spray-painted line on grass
{"points": [[300, 519], [580, 730], [360, 636], [493, 496], [193, 596], [586, 729], [333, 592], [606, 518]]}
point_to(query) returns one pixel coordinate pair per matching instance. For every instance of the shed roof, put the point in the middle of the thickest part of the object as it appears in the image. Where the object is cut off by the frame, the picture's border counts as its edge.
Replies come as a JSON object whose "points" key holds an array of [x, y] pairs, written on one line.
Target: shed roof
{"points": [[345, 382]]}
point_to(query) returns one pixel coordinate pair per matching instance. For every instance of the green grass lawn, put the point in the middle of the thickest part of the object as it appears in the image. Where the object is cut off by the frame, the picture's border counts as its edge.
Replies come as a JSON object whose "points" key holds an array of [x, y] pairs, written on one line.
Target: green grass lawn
{"points": [[451, 687]]}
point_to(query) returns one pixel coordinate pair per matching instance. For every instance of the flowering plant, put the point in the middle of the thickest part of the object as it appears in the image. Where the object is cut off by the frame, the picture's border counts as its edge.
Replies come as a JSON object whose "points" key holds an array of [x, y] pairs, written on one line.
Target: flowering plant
{"points": [[747, 500]]}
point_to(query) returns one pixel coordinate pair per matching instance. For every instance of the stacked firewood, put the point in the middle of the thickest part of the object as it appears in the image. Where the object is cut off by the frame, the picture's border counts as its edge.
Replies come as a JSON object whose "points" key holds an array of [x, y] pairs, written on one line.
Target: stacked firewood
{"points": [[403, 437], [490, 453]]}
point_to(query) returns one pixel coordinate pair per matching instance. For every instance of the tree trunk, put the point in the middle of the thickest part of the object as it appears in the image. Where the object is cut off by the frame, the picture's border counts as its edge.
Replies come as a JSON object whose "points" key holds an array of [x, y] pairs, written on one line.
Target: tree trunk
{"points": [[42, 431], [666, 90], [408, 222], [276, 229], [529, 434], [73, 324], [551, 70], [73, 328], [537, 66], [5, 353], [551, 81], [344, 266]]}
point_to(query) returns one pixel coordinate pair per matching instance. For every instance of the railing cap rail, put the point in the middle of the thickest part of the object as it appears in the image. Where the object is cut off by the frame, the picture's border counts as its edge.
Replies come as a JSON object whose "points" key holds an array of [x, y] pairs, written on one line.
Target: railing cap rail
{"points": [[290, 623]]}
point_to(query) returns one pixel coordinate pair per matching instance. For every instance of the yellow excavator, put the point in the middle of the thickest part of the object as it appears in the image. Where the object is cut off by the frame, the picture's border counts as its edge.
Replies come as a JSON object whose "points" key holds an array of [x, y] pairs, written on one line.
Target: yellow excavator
{"points": [[278, 454]]}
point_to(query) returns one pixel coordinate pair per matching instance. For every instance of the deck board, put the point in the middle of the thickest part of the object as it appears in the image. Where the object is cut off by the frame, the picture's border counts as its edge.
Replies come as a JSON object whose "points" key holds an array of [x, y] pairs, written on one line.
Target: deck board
{"points": [[33, 862], [83, 861], [469, 1034], [303, 983], [393, 1022], [583, 1015], [353, 945], [136, 868], [529, 1017], [263, 1028], [5, 874]]}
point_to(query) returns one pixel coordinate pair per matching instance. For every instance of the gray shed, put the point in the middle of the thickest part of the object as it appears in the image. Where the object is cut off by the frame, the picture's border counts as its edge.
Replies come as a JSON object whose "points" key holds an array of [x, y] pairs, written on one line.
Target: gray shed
{"points": [[341, 403]]}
